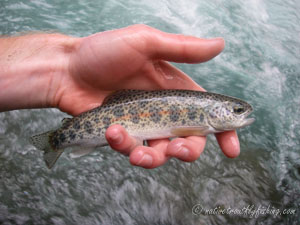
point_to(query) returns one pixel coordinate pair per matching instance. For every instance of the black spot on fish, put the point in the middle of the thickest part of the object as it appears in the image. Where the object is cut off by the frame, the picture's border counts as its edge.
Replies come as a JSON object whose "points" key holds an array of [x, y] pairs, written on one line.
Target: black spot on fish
{"points": [[201, 117], [106, 121], [100, 130], [72, 135], [132, 111], [87, 124], [62, 137], [96, 119], [155, 115], [76, 125], [106, 110], [192, 113], [135, 119], [143, 104], [118, 111], [174, 113], [88, 127], [134, 115]]}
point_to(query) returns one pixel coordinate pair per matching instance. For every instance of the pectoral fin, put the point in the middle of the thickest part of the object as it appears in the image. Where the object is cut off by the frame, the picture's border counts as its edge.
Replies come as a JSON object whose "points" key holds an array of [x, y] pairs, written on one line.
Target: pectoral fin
{"points": [[76, 153], [191, 131]]}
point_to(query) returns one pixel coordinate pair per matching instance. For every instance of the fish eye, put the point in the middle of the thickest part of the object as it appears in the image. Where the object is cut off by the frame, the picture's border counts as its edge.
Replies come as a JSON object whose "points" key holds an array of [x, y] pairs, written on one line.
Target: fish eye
{"points": [[238, 109]]}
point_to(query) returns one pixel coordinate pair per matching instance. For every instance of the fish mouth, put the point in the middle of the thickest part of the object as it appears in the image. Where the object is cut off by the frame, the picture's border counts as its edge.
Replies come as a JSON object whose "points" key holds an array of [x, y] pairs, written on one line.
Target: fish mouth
{"points": [[248, 121]]}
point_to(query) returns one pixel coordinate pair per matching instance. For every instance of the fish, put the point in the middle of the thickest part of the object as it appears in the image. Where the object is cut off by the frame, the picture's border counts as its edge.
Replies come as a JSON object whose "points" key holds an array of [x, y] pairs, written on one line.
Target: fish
{"points": [[146, 115]]}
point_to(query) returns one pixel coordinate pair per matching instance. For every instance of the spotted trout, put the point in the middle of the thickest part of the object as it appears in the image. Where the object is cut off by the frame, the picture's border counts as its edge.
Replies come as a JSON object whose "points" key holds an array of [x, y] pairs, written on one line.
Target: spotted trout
{"points": [[146, 115]]}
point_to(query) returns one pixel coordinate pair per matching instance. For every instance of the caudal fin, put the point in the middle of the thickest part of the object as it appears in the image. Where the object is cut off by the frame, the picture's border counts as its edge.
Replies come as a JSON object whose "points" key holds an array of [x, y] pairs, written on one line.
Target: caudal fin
{"points": [[42, 142]]}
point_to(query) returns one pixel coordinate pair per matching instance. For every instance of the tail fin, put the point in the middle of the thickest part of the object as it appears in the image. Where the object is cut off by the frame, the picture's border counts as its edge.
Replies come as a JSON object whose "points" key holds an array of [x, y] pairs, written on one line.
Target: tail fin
{"points": [[42, 142]]}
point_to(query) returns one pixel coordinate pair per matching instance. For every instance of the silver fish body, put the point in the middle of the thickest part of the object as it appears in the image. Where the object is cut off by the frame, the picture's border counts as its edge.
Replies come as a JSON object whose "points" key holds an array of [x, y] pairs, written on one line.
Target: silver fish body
{"points": [[147, 115]]}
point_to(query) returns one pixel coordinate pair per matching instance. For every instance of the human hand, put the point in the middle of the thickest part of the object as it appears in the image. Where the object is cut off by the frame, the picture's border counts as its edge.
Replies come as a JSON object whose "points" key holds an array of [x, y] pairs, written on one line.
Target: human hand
{"points": [[130, 58], [135, 58], [76, 74]]}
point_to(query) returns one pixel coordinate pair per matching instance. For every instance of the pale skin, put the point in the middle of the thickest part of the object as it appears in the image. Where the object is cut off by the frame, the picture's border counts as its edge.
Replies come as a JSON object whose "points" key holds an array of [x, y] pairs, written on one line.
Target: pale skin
{"points": [[76, 74]]}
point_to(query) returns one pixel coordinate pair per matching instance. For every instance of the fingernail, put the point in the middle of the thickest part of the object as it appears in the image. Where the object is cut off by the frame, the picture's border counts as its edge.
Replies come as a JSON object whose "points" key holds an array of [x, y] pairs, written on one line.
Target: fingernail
{"points": [[235, 142], [235, 148], [183, 152], [146, 161], [117, 139], [217, 39]]}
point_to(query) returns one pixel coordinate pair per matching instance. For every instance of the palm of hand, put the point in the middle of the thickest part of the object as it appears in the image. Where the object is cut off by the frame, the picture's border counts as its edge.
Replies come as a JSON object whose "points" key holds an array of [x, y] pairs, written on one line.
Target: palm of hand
{"points": [[119, 59]]}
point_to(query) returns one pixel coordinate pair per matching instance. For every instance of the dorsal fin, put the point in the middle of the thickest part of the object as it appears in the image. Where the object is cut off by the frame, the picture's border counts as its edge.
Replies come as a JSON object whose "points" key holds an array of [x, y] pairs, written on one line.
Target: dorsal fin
{"points": [[123, 96]]}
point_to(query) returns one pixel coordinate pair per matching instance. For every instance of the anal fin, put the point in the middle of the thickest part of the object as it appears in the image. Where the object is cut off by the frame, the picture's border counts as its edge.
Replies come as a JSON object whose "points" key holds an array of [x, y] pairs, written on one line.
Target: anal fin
{"points": [[51, 157]]}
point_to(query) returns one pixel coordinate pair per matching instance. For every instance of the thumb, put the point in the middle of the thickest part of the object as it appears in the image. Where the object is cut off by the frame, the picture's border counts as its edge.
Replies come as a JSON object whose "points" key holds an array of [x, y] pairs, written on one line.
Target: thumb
{"points": [[183, 49]]}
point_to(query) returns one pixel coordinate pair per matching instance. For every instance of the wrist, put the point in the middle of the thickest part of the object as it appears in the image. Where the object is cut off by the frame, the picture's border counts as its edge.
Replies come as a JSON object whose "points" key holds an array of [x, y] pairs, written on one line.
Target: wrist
{"points": [[32, 68]]}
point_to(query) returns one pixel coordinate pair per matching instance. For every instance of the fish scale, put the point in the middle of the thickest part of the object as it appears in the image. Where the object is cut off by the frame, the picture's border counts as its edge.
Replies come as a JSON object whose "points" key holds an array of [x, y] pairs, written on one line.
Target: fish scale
{"points": [[147, 115]]}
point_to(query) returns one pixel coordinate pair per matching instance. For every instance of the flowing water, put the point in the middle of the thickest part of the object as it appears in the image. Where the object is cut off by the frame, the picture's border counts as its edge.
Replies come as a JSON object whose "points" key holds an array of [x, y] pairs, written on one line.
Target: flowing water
{"points": [[261, 64]]}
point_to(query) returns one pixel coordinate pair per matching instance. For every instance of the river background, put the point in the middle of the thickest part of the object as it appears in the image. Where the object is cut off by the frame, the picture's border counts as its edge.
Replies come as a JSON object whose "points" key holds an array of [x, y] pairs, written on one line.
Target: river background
{"points": [[260, 64]]}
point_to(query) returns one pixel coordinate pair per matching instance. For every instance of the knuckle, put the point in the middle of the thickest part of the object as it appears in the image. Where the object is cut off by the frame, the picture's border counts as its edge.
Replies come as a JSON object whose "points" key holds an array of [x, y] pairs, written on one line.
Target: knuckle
{"points": [[141, 27], [144, 32], [185, 149], [139, 38]]}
